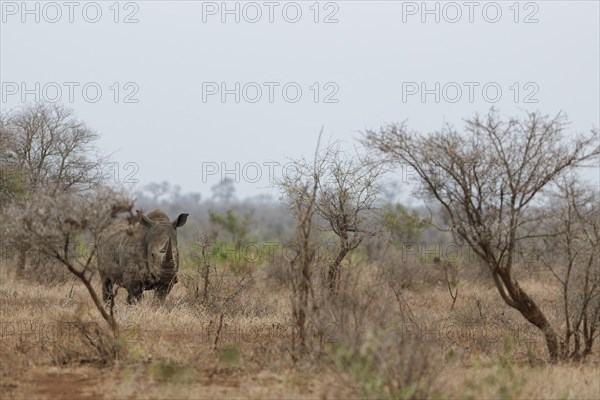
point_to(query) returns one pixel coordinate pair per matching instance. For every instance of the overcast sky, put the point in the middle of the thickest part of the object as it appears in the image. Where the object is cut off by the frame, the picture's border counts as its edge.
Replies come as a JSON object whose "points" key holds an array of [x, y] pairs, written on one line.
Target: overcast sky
{"points": [[186, 90]]}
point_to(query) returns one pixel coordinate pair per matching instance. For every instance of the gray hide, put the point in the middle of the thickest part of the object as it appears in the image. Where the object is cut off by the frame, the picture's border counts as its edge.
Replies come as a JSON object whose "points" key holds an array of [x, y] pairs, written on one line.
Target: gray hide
{"points": [[142, 256]]}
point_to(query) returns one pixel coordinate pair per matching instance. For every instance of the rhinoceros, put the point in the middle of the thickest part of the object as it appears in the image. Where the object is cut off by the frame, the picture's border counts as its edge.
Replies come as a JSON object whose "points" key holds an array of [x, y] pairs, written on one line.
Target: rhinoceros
{"points": [[142, 256]]}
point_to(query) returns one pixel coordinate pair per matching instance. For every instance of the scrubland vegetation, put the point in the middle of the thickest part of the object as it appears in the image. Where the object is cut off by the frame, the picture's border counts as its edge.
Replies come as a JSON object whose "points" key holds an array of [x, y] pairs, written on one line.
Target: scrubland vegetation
{"points": [[54, 345], [490, 290]]}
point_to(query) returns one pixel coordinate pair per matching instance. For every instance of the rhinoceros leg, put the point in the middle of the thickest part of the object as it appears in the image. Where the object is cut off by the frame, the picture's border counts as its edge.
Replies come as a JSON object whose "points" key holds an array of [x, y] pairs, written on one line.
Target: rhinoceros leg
{"points": [[134, 292], [107, 287], [161, 293], [163, 290]]}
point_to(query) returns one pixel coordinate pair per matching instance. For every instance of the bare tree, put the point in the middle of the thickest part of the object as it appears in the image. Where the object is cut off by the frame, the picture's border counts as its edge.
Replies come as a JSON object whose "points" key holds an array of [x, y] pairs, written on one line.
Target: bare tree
{"points": [[12, 186], [50, 151], [346, 189], [56, 224], [336, 193], [571, 252], [53, 149], [489, 179], [300, 191]]}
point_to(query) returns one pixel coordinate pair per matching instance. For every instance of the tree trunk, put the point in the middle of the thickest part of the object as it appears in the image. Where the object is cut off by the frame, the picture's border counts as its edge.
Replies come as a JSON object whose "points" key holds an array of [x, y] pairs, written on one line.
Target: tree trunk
{"points": [[206, 277], [518, 299], [333, 272], [22, 260]]}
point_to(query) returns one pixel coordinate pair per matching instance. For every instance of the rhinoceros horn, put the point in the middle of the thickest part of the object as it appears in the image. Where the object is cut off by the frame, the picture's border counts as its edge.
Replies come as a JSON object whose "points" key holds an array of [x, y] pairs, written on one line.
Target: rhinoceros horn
{"points": [[168, 260]]}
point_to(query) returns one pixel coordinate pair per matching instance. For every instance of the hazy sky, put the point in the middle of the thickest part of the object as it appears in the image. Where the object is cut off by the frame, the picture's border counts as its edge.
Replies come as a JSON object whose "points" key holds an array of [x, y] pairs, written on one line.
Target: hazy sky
{"points": [[190, 89]]}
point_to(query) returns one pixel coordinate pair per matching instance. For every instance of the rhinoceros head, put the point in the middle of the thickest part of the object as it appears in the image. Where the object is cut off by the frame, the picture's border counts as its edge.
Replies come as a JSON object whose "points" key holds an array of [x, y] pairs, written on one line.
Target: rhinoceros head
{"points": [[159, 245]]}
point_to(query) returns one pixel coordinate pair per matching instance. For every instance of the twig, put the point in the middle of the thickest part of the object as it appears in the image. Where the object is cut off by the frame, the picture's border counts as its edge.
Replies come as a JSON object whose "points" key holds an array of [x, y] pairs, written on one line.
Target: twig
{"points": [[218, 335], [455, 295], [403, 304]]}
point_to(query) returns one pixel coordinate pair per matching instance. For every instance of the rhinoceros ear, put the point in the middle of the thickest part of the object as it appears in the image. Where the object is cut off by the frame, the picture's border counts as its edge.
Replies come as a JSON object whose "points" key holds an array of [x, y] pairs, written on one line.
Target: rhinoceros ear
{"points": [[144, 220], [180, 221]]}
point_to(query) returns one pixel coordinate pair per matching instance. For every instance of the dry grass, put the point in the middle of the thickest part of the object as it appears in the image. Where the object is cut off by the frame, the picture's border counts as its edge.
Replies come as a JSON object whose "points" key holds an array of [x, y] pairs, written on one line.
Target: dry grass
{"points": [[481, 349]]}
